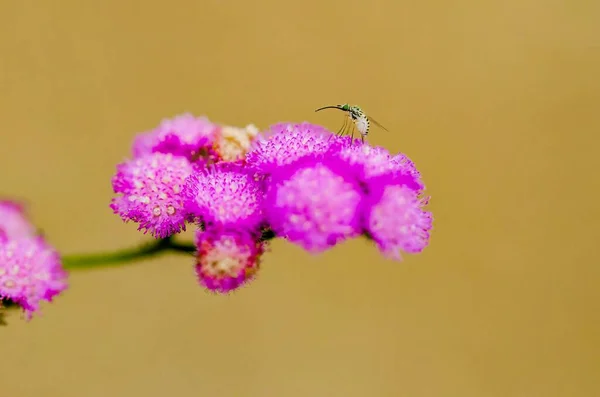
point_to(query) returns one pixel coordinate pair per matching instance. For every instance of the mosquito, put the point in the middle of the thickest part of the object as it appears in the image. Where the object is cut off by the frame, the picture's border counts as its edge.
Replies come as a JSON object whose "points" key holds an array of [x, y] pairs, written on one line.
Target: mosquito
{"points": [[358, 119]]}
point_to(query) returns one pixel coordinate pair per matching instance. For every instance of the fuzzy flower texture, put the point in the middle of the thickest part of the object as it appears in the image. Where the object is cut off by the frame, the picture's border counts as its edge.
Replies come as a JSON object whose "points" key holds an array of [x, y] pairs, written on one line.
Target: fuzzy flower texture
{"points": [[30, 268], [296, 181]]}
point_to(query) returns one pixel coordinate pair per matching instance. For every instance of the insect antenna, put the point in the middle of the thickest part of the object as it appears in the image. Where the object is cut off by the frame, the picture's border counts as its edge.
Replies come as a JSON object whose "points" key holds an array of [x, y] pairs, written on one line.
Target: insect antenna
{"points": [[331, 107]]}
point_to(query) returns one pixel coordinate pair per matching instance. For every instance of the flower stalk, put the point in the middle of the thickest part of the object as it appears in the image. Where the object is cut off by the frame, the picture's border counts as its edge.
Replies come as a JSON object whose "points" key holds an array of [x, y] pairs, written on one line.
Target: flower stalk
{"points": [[125, 256]]}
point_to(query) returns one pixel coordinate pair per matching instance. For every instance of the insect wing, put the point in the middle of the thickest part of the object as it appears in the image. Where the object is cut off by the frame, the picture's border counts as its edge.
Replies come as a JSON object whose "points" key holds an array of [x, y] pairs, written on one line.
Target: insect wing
{"points": [[372, 120]]}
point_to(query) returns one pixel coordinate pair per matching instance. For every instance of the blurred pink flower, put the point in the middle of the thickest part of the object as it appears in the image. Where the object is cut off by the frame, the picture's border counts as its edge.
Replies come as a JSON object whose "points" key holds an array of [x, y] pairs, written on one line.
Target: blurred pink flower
{"points": [[183, 135], [396, 220], [314, 202], [14, 223], [30, 271]]}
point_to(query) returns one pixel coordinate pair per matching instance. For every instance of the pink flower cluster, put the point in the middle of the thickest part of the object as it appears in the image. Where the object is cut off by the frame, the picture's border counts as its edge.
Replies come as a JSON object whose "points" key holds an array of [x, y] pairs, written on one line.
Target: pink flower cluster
{"points": [[297, 181], [30, 268]]}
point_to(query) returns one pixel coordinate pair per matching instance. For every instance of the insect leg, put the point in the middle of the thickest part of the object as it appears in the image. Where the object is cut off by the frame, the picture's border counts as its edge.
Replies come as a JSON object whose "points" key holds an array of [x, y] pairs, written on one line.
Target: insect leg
{"points": [[349, 125], [341, 131]]}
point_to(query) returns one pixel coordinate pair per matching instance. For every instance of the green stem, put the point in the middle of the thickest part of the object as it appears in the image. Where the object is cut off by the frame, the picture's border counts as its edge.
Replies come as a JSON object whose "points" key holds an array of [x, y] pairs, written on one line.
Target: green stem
{"points": [[121, 257]]}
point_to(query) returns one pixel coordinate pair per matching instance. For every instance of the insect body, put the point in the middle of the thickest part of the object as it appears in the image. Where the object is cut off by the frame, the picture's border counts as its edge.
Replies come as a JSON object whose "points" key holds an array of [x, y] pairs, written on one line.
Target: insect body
{"points": [[359, 120]]}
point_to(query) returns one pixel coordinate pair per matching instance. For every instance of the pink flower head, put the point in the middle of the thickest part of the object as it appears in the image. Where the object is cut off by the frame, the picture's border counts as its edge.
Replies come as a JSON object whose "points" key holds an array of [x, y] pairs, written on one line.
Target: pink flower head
{"points": [[406, 165], [283, 143], [226, 194], [395, 218], [373, 161], [14, 223], [226, 260], [184, 135], [314, 202], [150, 188], [30, 271]]}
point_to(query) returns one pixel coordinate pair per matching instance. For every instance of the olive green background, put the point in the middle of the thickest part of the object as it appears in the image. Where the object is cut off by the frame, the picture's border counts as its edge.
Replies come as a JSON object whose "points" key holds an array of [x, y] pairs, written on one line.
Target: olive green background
{"points": [[497, 102]]}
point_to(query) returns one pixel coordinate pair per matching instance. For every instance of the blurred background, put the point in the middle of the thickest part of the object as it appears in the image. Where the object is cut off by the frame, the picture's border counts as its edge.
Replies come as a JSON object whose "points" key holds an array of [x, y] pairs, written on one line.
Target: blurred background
{"points": [[496, 102]]}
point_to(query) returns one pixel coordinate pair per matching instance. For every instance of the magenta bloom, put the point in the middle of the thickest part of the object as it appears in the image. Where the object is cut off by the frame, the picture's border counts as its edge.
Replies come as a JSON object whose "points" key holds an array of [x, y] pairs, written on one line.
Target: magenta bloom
{"points": [[226, 194], [372, 161], [226, 260], [150, 190], [30, 271], [395, 218], [184, 135], [314, 203], [14, 223], [405, 165], [284, 143]]}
